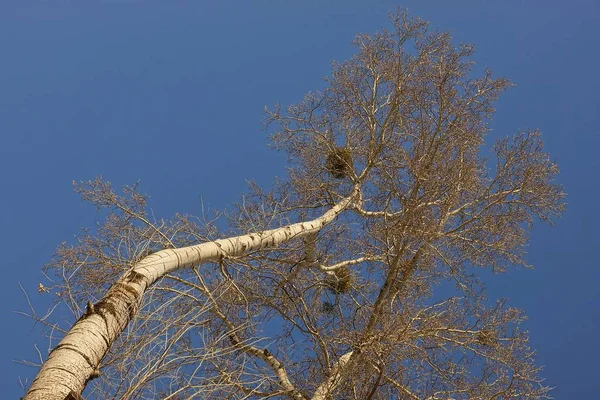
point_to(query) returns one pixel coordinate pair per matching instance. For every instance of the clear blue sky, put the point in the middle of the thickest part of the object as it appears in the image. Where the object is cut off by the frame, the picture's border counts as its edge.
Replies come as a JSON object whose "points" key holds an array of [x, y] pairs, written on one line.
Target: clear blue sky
{"points": [[171, 93]]}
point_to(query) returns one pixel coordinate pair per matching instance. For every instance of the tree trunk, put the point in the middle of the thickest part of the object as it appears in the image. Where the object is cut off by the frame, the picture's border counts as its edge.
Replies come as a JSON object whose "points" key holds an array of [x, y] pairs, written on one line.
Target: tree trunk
{"points": [[75, 360]]}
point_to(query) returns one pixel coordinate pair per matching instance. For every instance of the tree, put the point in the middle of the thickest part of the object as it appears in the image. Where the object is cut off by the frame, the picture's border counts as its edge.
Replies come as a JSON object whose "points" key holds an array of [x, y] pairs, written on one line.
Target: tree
{"points": [[355, 278]]}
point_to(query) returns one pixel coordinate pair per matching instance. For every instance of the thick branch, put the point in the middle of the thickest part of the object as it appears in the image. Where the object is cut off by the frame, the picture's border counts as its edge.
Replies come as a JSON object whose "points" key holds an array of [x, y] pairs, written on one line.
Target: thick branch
{"points": [[336, 377], [347, 263]]}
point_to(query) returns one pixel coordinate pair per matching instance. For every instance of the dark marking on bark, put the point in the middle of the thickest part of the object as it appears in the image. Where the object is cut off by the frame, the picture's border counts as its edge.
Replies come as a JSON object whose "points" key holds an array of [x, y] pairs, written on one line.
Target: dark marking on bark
{"points": [[125, 287], [89, 309], [105, 307], [134, 277], [266, 353], [95, 374], [74, 396]]}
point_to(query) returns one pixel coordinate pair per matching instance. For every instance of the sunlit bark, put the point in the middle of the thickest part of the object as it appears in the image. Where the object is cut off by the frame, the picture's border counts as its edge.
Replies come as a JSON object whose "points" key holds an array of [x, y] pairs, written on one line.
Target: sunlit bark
{"points": [[76, 358]]}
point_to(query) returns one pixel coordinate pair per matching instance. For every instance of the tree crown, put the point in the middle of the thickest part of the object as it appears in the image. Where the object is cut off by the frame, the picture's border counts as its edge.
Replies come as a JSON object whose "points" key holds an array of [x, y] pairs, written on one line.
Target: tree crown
{"points": [[356, 309]]}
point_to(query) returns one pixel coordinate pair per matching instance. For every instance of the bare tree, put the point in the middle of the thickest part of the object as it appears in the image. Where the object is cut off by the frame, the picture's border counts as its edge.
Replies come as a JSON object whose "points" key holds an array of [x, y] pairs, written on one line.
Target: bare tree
{"points": [[353, 279]]}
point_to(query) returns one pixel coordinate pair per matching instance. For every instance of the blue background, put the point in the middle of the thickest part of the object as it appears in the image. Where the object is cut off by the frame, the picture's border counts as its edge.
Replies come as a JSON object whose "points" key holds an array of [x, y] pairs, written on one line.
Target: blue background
{"points": [[171, 93]]}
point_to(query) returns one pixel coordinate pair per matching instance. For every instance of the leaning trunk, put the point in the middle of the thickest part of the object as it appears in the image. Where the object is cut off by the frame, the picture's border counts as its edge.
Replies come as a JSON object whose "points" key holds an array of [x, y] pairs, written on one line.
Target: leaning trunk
{"points": [[75, 360]]}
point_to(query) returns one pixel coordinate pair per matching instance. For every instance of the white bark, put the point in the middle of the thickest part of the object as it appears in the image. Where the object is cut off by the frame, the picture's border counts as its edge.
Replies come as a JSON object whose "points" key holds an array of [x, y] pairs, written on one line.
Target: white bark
{"points": [[336, 377], [72, 362]]}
